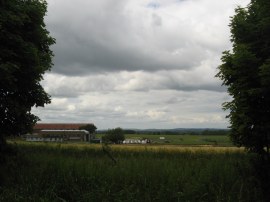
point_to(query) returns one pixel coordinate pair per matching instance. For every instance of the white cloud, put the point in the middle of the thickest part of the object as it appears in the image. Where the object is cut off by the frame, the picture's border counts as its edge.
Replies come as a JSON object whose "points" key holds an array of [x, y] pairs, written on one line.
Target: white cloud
{"points": [[140, 109]]}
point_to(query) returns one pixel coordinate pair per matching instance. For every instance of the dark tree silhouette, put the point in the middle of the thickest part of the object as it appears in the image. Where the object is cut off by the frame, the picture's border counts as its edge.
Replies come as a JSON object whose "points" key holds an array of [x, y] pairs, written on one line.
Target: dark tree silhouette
{"points": [[114, 135], [246, 72], [91, 128], [25, 55]]}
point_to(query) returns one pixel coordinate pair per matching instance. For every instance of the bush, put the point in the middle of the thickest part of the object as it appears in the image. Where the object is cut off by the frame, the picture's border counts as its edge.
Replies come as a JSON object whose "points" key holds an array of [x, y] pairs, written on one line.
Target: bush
{"points": [[114, 135]]}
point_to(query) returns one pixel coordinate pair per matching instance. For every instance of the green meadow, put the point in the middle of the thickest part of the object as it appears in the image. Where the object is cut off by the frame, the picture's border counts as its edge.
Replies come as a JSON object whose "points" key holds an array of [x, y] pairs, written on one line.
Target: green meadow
{"points": [[218, 140], [84, 172]]}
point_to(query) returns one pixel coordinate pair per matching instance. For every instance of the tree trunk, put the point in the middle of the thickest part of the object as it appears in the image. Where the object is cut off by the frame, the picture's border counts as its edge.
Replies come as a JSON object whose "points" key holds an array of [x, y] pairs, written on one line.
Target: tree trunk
{"points": [[3, 146], [3, 143]]}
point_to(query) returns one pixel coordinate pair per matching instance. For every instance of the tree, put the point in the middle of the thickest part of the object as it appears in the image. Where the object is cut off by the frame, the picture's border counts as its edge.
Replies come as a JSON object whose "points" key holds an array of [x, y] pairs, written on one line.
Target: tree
{"points": [[25, 55], [246, 72], [91, 128], [114, 135]]}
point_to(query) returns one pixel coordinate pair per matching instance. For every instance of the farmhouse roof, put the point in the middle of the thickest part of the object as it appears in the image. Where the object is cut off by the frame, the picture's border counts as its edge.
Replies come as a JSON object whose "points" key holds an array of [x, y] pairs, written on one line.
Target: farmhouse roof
{"points": [[58, 126]]}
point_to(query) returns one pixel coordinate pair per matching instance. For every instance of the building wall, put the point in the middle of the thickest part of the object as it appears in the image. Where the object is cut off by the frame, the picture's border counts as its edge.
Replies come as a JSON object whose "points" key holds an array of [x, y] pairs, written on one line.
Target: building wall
{"points": [[39, 133], [59, 136]]}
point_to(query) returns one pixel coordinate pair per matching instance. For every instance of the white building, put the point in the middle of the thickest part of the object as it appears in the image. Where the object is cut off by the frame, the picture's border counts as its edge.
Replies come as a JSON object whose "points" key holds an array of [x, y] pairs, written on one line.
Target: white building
{"points": [[136, 141]]}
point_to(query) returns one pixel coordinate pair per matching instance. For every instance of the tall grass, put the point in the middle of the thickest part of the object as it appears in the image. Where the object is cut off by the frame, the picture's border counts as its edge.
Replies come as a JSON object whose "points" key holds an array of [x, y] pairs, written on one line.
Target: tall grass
{"points": [[54, 172]]}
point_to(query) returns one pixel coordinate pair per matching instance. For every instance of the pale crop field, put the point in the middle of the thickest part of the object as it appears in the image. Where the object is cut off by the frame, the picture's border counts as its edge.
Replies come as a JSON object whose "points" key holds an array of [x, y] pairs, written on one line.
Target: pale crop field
{"points": [[142, 147]]}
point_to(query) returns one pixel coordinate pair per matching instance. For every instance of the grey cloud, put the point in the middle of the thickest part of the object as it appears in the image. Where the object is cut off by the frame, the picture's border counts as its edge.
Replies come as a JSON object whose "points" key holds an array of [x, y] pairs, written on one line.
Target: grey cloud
{"points": [[74, 86], [107, 37], [156, 20]]}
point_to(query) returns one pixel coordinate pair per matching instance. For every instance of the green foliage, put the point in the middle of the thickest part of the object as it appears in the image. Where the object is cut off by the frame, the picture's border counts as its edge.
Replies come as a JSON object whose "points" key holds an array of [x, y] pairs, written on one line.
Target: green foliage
{"points": [[24, 57], [54, 172], [246, 72], [114, 135], [91, 128]]}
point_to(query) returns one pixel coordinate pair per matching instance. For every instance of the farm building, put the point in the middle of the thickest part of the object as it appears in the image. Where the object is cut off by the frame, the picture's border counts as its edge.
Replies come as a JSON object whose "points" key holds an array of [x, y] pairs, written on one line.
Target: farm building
{"points": [[58, 126], [59, 132], [59, 136]]}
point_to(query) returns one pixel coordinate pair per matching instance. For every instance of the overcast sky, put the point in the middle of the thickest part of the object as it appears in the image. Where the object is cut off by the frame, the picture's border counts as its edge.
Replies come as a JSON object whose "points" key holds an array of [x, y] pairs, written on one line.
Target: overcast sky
{"points": [[138, 63]]}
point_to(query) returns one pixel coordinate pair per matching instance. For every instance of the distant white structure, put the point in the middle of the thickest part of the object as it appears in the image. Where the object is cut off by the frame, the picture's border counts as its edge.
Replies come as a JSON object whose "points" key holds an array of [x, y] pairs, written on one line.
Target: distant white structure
{"points": [[59, 136], [136, 141], [162, 138]]}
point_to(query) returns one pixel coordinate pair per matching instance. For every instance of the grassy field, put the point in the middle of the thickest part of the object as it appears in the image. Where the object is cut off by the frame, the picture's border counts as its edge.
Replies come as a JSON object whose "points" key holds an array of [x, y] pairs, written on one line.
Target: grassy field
{"points": [[81, 172], [219, 140]]}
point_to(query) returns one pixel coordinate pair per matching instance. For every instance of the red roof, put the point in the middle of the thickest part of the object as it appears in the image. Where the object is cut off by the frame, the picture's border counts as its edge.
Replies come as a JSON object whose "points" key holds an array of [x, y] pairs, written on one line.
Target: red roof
{"points": [[58, 126]]}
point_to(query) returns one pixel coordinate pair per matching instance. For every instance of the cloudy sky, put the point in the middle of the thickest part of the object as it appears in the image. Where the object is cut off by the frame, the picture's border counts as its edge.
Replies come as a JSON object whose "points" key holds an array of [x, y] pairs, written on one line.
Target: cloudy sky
{"points": [[138, 63]]}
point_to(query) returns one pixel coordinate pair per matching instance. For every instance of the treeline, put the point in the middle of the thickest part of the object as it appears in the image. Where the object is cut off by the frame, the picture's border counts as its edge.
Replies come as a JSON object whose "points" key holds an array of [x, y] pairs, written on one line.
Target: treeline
{"points": [[215, 132]]}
